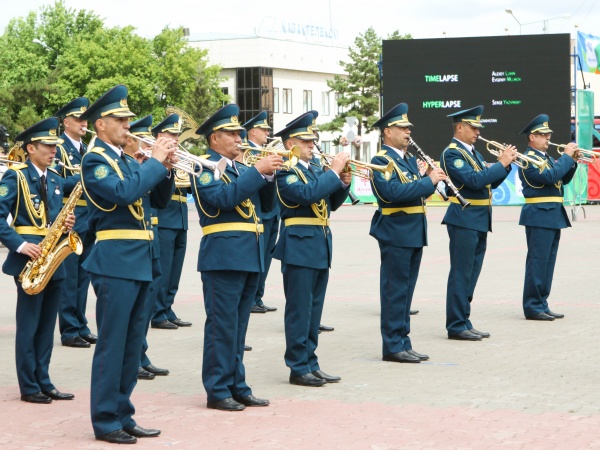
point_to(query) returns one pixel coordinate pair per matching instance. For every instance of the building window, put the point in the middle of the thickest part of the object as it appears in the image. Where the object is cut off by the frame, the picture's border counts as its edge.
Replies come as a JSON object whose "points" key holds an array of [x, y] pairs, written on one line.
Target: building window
{"points": [[366, 148], [275, 100], [287, 101], [254, 91], [306, 101], [326, 146], [325, 108], [340, 108]]}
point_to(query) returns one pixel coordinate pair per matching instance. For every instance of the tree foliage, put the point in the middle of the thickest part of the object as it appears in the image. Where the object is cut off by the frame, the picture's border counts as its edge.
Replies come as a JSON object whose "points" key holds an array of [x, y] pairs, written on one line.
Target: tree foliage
{"points": [[53, 56], [358, 92]]}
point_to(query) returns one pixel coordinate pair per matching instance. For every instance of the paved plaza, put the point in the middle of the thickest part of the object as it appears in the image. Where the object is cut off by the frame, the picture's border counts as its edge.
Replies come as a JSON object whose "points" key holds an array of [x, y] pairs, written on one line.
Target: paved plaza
{"points": [[532, 385]]}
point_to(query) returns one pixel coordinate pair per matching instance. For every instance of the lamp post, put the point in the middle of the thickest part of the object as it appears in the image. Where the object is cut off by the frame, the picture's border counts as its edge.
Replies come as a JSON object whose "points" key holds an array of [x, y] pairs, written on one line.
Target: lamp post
{"points": [[47, 48], [509, 11]]}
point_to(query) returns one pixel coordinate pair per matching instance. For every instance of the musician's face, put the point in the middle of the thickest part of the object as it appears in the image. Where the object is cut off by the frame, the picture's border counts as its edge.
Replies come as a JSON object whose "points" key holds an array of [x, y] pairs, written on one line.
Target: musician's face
{"points": [[397, 137], [226, 143], [306, 147], [467, 133], [41, 155], [259, 135], [540, 141], [74, 126], [113, 130]]}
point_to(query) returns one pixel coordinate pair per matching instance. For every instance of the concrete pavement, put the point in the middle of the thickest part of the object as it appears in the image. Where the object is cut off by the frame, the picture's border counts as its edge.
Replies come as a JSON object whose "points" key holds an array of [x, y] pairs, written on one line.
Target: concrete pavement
{"points": [[531, 385]]}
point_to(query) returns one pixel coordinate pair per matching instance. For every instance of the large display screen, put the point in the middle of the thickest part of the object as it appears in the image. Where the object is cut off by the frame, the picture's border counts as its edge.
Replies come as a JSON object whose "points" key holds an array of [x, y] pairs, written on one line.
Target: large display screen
{"points": [[515, 78]]}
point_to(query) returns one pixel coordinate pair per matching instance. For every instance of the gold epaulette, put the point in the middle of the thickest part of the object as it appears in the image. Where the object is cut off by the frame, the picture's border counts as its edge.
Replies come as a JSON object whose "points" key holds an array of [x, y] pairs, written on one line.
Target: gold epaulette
{"points": [[453, 145], [18, 166], [205, 156], [381, 153], [53, 170], [531, 153], [97, 150]]}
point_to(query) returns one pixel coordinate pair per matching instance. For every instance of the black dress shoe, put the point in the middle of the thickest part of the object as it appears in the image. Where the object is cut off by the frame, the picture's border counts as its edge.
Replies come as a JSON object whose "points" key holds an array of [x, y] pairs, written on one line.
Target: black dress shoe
{"points": [[144, 374], [325, 328], [483, 334], [267, 308], [555, 315], [91, 338], [247, 348], [117, 437], [540, 316], [55, 394], [38, 397], [156, 370], [401, 357], [421, 356], [181, 323], [251, 400], [308, 379], [258, 309], [164, 325], [76, 342], [227, 404], [328, 378], [465, 335], [140, 432], [413, 312]]}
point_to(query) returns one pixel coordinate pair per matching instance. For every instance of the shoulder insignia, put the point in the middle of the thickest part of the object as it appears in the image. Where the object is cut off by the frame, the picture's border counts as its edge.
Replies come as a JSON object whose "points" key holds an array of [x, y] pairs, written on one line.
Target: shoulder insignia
{"points": [[459, 163], [453, 145], [291, 179], [531, 153], [97, 150], [381, 153], [3, 190], [101, 171], [52, 169], [205, 156], [18, 166], [205, 178]]}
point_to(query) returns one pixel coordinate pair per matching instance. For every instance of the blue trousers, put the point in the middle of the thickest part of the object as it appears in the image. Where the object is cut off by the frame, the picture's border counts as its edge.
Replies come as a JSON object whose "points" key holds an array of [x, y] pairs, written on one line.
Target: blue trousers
{"points": [[121, 317], [467, 250], [542, 248], [270, 235], [36, 320], [172, 253], [304, 297], [152, 292], [71, 317], [397, 281], [228, 297]]}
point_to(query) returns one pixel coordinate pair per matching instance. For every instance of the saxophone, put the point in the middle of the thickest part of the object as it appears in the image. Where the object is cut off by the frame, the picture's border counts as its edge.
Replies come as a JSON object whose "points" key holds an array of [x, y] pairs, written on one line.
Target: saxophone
{"points": [[37, 272]]}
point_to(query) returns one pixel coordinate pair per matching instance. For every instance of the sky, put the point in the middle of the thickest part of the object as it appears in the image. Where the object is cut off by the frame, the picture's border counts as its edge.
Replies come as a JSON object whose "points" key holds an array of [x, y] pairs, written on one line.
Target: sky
{"points": [[421, 18]]}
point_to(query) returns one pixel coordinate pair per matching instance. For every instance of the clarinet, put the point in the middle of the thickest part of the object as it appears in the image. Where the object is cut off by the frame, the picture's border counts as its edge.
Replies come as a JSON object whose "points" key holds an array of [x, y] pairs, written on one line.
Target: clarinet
{"points": [[431, 163], [353, 198]]}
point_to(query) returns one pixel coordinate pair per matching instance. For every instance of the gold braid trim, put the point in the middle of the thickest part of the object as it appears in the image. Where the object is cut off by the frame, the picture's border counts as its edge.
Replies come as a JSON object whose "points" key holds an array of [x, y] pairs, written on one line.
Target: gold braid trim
{"points": [[401, 177], [33, 214], [320, 209]]}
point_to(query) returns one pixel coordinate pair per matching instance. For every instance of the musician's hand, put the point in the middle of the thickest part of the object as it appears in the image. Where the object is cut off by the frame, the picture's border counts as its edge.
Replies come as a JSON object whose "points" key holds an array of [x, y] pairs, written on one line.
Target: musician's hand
{"points": [[140, 156], [508, 155], [339, 162], [437, 175], [164, 148], [346, 177], [269, 164], [70, 222], [171, 161], [571, 149], [32, 250]]}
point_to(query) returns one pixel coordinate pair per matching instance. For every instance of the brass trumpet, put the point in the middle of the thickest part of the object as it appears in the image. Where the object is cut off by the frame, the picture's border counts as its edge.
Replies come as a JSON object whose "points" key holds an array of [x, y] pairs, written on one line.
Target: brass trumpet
{"points": [[581, 154], [74, 169], [361, 169], [253, 154], [496, 149]]}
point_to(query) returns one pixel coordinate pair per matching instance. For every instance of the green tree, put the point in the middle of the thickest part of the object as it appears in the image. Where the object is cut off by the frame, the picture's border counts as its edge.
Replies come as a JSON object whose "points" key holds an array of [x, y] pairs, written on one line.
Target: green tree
{"points": [[358, 91]]}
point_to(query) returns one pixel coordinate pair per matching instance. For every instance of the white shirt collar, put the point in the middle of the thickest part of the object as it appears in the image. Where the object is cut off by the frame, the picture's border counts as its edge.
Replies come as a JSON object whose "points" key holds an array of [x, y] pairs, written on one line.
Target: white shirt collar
{"points": [[76, 144], [118, 150], [400, 153], [304, 163], [39, 171], [467, 146]]}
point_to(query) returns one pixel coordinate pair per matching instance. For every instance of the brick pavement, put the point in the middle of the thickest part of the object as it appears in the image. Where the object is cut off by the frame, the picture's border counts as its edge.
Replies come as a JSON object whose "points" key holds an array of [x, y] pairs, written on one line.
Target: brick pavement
{"points": [[531, 385]]}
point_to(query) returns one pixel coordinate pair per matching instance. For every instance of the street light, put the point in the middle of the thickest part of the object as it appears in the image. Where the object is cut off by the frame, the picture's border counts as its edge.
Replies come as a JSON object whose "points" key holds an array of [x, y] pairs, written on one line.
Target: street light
{"points": [[43, 44], [509, 11]]}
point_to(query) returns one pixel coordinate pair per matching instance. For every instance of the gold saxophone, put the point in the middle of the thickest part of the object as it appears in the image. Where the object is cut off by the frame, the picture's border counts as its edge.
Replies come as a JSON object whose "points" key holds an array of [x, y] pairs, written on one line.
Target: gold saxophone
{"points": [[38, 272]]}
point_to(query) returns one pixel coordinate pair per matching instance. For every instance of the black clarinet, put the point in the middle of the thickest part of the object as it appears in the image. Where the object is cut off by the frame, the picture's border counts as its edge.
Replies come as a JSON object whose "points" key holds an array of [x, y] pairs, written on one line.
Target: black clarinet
{"points": [[353, 198], [442, 191]]}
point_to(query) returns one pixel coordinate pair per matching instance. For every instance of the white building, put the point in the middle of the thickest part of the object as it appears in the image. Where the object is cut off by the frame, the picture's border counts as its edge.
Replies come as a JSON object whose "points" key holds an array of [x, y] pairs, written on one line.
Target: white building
{"points": [[285, 78]]}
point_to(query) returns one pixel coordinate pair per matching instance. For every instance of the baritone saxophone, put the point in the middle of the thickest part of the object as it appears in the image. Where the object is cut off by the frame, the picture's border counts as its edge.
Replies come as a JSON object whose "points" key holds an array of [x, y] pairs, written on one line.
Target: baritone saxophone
{"points": [[37, 272]]}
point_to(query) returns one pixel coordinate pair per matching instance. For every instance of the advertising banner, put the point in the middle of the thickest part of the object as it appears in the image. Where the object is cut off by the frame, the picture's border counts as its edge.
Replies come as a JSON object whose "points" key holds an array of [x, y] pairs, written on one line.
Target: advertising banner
{"points": [[588, 49]]}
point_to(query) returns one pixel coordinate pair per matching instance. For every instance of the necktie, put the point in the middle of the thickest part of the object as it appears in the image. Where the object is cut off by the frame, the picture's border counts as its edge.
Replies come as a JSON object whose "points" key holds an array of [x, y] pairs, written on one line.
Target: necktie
{"points": [[234, 167], [43, 193], [81, 150], [124, 158]]}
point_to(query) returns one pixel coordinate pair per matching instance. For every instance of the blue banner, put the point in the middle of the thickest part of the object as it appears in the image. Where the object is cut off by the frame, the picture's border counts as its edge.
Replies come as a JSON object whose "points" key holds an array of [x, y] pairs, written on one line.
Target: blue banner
{"points": [[588, 49]]}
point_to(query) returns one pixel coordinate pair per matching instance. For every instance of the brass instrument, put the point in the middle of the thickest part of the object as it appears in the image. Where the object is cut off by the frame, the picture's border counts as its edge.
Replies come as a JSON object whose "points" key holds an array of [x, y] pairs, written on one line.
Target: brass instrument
{"points": [[60, 163], [361, 169], [580, 154], [15, 155], [37, 272], [254, 154], [442, 191], [522, 161], [354, 200]]}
